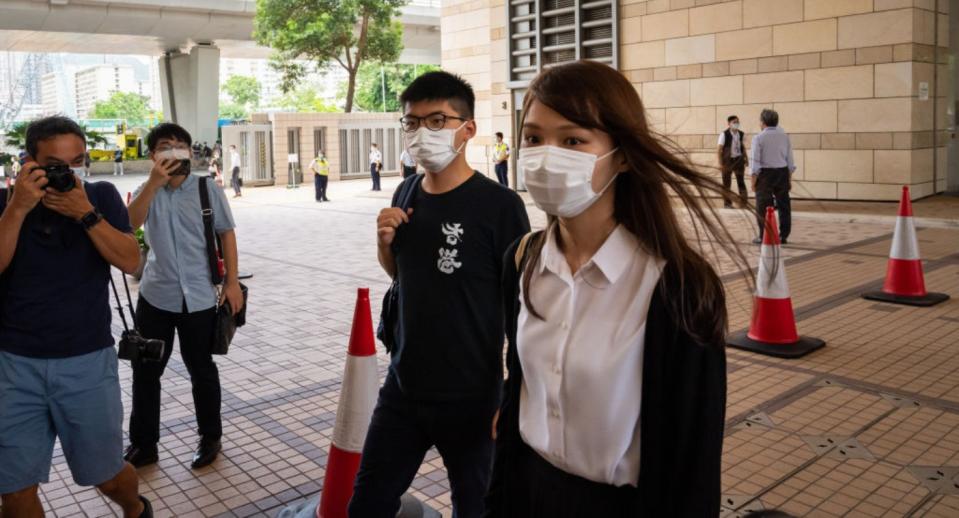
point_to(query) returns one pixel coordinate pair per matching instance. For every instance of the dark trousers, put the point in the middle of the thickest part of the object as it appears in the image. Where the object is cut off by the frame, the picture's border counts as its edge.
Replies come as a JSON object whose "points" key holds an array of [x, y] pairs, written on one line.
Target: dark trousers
{"points": [[737, 166], [772, 188], [235, 180], [319, 183], [502, 173], [375, 175], [399, 436], [408, 171], [540, 489], [195, 331]]}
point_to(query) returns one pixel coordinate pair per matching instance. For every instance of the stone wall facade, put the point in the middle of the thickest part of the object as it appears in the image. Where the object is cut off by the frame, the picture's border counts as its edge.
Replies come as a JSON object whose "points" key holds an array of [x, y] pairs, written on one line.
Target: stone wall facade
{"points": [[854, 81]]}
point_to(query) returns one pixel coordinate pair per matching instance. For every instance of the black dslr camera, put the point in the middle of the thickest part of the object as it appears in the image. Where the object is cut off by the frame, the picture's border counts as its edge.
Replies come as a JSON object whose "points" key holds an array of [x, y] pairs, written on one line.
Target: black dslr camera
{"points": [[60, 177], [135, 348]]}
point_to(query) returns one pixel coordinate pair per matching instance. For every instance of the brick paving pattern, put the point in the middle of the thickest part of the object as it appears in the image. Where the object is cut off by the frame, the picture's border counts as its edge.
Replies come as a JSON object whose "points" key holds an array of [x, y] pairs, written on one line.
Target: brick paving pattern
{"points": [[868, 426]]}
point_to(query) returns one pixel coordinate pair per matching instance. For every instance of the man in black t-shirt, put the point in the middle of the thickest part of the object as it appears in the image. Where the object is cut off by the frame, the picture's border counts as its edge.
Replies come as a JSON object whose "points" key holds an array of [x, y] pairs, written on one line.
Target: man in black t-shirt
{"points": [[58, 368], [443, 385]]}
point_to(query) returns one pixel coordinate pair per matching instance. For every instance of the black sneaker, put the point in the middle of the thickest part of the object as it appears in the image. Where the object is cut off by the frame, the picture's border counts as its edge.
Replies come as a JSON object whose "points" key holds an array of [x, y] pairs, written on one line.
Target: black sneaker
{"points": [[758, 241], [140, 457], [782, 241], [147, 508]]}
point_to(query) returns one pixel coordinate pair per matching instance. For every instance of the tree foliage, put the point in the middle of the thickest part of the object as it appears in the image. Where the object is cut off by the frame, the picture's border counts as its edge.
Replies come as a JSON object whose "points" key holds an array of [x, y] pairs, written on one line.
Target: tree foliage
{"points": [[243, 90], [122, 105], [348, 32], [305, 100], [370, 83], [16, 136]]}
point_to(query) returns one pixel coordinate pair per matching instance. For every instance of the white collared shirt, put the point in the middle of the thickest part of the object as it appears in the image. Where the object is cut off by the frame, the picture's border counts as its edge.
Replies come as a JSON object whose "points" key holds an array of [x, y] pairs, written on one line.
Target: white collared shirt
{"points": [[583, 364]]}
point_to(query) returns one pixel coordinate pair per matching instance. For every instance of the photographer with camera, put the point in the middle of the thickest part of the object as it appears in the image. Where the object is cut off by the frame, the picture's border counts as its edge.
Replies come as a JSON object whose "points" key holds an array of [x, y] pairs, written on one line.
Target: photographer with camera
{"points": [[58, 369], [177, 292]]}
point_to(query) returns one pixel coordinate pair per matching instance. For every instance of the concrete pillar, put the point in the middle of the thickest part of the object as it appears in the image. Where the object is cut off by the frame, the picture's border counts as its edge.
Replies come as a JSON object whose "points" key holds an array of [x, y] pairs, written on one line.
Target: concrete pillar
{"points": [[190, 85], [952, 168]]}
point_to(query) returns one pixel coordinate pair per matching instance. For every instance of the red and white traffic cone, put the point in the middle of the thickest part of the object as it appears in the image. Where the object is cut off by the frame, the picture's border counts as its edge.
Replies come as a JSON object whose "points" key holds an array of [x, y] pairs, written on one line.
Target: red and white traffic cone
{"points": [[904, 280], [129, 198], [353, 414], [772, 330]]}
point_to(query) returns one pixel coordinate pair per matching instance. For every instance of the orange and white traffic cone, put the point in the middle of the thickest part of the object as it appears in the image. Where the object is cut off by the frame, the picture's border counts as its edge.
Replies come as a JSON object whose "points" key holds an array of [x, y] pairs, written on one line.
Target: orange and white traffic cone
{"points": [[353, 414], [772, 330], [904, 280]]}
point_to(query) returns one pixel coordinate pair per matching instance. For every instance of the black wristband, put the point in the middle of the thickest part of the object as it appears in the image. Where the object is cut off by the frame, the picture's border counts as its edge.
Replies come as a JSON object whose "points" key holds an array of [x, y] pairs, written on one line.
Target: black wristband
{"points": [[90, 219]]}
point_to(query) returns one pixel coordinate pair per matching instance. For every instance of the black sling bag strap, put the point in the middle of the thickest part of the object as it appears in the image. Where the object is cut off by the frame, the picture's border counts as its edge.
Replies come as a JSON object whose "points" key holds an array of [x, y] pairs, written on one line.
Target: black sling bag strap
{"points": [[212, 240]]}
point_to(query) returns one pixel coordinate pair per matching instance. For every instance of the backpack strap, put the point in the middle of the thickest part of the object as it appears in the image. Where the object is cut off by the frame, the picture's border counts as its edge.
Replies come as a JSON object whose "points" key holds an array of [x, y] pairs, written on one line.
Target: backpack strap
{"points": [[212, 241]]}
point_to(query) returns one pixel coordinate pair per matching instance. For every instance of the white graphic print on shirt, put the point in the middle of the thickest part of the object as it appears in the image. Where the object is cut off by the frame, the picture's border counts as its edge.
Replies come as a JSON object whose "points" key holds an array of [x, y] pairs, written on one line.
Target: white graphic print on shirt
{"points": [[447, 262], [454, 233]]}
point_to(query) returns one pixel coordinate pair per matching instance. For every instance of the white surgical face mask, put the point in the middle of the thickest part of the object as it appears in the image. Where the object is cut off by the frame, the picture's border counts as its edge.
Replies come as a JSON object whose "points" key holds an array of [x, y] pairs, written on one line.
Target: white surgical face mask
{"points": [[735, 126], [172, 154], [434, 150], [561, 180]]}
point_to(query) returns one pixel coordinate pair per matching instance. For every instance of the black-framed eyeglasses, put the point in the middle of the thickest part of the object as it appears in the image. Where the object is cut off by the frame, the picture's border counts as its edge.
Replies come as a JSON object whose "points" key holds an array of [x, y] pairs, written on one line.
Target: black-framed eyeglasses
{"points": [[434, 121]]}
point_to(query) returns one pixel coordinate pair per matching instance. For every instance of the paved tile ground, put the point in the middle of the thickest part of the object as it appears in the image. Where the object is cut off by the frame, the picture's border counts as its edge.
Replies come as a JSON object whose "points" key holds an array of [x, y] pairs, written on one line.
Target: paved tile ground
{"points": [[868, 426]]}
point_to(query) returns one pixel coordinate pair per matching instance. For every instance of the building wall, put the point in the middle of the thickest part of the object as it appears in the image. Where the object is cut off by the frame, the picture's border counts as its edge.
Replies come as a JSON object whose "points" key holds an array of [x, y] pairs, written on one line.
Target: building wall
{"points": [[844, 75], [99, 83], [307, 123]]}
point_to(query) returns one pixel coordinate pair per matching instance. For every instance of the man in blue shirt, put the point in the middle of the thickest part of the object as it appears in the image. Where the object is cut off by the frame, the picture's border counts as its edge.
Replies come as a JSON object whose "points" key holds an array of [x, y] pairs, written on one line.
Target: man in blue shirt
{"points": [[177, 293], [58, 369], [772, 168]]}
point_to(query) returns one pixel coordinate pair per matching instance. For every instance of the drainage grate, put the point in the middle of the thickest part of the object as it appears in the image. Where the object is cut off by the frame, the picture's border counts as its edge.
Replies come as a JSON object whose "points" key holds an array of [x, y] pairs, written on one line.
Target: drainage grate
{"points": [[821, 445], [884, 307], [938, 479], [761, 418], [899, 401], [739, 506], [826, 382], [851, 448]]}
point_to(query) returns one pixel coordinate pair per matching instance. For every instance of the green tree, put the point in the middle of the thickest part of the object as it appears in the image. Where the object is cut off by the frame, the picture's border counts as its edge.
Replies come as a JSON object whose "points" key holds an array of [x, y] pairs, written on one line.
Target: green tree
{"points": [[349, 32], [16, 136], [374, 78], [93, 137], [122, 105], [229, 110], [243, 91], [305, 100]]}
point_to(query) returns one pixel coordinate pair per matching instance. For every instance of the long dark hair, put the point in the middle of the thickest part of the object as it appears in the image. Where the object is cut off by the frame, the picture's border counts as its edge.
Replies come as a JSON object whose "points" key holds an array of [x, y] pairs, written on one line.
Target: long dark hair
{"points": [[594, 96]]}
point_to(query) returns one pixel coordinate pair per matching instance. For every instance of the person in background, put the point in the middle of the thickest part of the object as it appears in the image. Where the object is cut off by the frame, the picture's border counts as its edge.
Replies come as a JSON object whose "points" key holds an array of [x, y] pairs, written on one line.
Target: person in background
{"points": [[376, 165], [409, 165], [15, 168], [86, 164], [177, 294], [118, 162], [771, 174], [732, 159], [501, 159], [58, 369], [615, 400], [321, 175], [235, 177], [446, 366]]}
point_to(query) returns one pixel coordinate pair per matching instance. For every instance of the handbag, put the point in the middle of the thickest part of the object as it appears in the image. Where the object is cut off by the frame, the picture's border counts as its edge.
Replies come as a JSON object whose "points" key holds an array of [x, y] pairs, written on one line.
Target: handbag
{"points": [[226, 322], [389, 313]]}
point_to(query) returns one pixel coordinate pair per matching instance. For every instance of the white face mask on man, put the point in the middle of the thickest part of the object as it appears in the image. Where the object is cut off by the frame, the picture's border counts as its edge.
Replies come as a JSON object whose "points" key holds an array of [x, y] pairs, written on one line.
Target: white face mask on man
{"points": [[734, 126], [434, 150], [560, 180]]}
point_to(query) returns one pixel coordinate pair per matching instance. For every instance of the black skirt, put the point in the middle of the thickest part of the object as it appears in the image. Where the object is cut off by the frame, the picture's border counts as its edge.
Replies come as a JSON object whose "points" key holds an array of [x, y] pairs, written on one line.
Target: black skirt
{"points": [[539, 489]]}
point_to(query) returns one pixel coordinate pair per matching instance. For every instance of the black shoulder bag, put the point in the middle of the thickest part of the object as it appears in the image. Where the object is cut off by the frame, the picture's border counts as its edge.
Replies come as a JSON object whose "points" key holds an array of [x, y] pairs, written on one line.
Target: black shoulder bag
{"points": [[226, 321], [389, 314]]}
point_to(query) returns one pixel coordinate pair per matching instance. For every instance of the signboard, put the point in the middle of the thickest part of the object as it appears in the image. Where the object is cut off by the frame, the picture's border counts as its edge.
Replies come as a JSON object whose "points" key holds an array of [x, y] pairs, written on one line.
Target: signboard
{"points": [[293, 158]]}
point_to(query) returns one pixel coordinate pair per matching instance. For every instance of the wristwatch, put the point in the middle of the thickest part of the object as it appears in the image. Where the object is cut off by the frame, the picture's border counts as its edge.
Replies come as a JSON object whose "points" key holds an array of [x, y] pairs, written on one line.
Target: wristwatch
{"points": [[90, 219]]}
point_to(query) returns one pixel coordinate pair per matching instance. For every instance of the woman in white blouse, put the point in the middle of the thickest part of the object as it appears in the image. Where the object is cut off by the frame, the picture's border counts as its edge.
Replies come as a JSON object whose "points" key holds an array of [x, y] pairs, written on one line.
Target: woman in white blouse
{"points": [[615, 400]]}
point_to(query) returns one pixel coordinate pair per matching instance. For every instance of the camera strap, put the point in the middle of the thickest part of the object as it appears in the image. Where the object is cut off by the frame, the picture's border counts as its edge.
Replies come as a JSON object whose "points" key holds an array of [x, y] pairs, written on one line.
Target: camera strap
{"points": [[116, 297]]}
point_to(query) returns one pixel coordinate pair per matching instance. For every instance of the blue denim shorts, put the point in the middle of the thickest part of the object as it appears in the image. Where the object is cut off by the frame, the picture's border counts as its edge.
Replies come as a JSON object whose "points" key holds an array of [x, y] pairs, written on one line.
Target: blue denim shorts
{"points": [[76, 399]]}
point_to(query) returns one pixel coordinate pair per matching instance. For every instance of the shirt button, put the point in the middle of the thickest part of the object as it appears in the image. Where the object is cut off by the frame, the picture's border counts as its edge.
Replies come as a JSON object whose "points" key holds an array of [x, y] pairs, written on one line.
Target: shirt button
{"points": [[565, 325]]}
